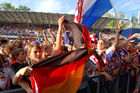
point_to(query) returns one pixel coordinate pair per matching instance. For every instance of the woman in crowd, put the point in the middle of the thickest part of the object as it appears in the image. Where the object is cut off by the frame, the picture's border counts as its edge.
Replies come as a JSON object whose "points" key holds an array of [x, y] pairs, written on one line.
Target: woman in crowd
{"points": [[34, 53], [6, 72]]}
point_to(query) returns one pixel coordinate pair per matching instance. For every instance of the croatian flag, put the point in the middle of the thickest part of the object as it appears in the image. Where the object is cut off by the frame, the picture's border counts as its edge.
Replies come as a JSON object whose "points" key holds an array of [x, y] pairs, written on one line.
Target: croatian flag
{"points": [[89, 11]]}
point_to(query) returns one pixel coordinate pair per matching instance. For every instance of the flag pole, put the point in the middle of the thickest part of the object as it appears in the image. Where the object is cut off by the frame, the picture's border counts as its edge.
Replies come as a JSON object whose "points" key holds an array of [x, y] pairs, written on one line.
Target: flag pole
{"points": [[114, 11]]}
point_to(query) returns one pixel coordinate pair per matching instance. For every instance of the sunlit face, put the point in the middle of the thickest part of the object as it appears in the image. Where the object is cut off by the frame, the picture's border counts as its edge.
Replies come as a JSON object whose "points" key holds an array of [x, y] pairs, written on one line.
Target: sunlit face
{"points": [[22, 56], [100, 45], [47, 52], [2, 51], [35, 55]]}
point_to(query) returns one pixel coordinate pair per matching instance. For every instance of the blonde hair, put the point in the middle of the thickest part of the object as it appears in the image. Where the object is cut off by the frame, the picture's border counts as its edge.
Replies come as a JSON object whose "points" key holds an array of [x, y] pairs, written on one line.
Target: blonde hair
{"points": [[29, 48]]}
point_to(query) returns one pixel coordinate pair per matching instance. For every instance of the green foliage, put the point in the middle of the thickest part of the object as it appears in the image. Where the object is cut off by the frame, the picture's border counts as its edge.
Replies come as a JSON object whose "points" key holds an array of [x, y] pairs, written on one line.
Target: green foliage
{"points": [[112, 24], [6, 6], [135, 21], [22, 8], [9, 7], [108, 15], [121, 15]]}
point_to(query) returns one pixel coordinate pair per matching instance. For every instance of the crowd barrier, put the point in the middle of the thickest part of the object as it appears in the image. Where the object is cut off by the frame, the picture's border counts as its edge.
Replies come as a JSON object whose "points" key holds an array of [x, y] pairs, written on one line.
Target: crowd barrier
{"points": [[113, 87], [19, 90], [99, 85]]}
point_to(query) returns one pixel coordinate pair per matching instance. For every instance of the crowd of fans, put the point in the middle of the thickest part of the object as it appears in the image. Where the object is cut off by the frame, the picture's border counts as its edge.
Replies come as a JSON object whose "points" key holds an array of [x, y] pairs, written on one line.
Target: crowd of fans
{"points": [[118, 57], [23, 30]]}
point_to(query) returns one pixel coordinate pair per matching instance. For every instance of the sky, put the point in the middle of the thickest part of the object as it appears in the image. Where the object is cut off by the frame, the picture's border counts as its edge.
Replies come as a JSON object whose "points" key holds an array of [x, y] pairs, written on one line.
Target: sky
{"points": [[128, 7]]}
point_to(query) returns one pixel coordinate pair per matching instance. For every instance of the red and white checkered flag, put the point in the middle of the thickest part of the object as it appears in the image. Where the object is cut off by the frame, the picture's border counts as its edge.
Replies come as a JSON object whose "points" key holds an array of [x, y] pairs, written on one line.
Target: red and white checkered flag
{"points": [[78, 14]]}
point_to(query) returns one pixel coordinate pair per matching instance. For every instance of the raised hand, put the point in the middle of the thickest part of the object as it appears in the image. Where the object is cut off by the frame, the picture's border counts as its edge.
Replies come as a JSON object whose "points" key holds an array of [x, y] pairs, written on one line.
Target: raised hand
{"points": [[118, 28], [60, 20], [44, 31]]}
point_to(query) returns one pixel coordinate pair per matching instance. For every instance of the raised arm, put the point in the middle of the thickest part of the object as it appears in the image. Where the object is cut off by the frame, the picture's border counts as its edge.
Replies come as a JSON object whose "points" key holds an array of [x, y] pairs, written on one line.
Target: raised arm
{"points": [[52, 35], [116, 42], [59, 35], [45, 37], [37, 36]]}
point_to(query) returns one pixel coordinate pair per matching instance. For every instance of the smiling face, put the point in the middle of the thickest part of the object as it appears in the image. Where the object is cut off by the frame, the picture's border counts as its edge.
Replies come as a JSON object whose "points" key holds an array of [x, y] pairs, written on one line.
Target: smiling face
{"points": [[35, 55]]}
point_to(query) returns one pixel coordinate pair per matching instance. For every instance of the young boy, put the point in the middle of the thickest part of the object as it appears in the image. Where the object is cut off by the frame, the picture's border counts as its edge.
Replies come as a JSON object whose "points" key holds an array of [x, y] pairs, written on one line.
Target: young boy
{"points": [[19, 57]]}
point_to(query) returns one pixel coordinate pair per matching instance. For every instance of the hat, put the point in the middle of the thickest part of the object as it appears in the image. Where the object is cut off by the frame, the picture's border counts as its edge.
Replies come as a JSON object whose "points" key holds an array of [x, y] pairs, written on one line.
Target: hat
{"points": [[37, 42]]}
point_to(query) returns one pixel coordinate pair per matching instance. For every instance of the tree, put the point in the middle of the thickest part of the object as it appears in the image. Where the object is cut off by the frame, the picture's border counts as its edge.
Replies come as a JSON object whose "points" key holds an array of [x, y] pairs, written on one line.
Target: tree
{"points": [[120, 14], [124, 23], [22, 8], [135, 21], [6, 6], [108, 15], [112, 24]]}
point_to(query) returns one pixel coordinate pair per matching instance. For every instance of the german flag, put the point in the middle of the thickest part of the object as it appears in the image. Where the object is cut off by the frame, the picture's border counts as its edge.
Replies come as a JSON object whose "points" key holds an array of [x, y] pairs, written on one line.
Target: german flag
{"points": [[3, 78], [63, 73]]}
